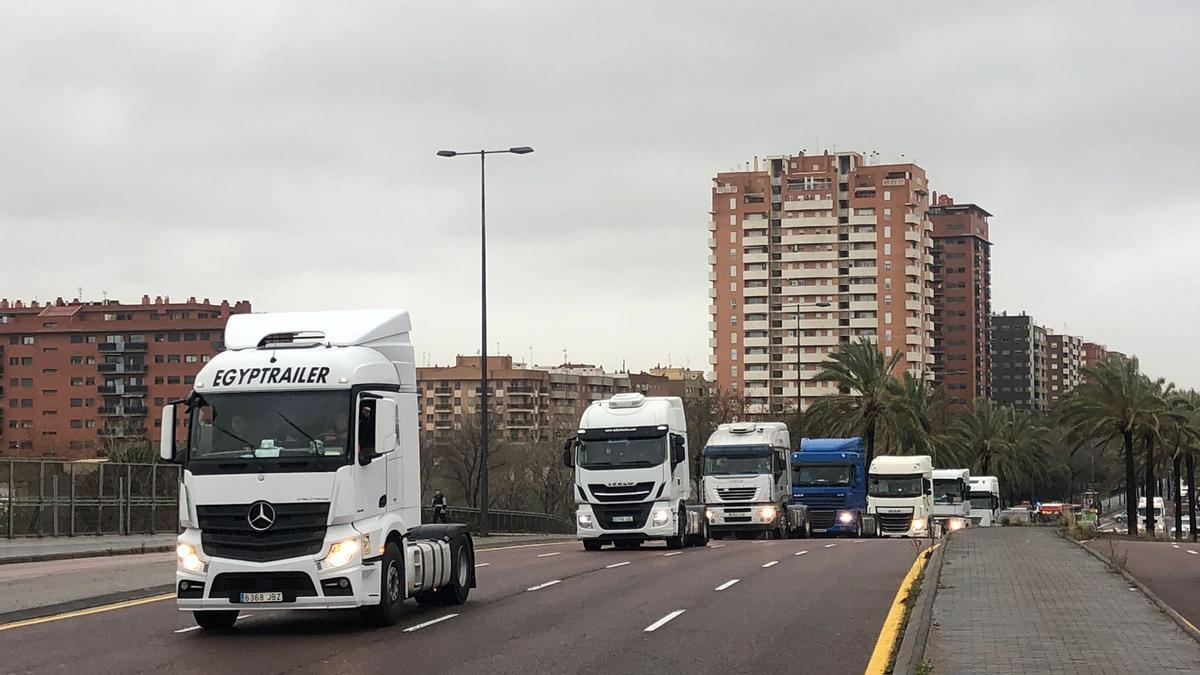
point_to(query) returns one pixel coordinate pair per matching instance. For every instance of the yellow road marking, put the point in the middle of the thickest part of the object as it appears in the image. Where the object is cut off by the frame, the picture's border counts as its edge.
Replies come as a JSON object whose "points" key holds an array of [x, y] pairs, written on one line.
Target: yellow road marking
{"points": [[86, 612], [891, 625]]}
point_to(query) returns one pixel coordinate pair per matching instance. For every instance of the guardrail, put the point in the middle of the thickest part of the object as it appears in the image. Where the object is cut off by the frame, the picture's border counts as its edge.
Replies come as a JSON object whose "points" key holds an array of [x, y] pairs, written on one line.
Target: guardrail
{"points": [[48, 498]]}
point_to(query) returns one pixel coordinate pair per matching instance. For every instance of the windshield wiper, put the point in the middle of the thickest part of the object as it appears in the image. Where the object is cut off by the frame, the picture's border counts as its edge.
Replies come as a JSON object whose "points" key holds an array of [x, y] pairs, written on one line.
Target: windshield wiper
{"points": [[297, 428]]}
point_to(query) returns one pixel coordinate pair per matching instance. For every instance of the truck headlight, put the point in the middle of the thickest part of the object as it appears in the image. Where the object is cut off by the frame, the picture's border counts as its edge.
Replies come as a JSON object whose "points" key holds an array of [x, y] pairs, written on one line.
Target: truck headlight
{"points": [[845, 517], [710, 514], [189, 558], [767, 513], [918, 525], [661, 517], [584, 520], [955, 524], [342, 553]]}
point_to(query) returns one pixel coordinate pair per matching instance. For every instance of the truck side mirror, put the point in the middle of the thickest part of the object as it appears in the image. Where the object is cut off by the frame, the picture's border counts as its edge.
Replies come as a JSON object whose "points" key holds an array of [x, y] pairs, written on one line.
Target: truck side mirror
{"points": [[677, 448], [569, 453], [928, 486], [166, 448]]}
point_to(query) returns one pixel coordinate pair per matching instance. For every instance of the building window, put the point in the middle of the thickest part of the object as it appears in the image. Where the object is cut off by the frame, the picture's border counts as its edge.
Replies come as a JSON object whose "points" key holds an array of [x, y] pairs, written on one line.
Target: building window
{"points": [[27, 340]]}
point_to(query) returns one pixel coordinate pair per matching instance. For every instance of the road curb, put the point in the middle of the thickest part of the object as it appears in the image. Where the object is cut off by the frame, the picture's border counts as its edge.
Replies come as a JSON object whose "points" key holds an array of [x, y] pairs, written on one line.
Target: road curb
{"points": [[97, 553], [1175, 616], [920, 619], [82, 603], [895, 626]]}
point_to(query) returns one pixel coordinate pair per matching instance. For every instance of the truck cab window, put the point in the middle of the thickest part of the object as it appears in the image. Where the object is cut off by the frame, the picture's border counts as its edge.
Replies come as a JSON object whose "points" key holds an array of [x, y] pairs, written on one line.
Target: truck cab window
{"points": [[366, 427]]}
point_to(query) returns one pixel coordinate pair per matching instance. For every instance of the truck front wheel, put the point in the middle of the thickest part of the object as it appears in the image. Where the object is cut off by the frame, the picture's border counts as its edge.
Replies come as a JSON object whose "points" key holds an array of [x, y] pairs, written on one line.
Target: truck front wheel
{"points": [[220, 619], [391, 589]]}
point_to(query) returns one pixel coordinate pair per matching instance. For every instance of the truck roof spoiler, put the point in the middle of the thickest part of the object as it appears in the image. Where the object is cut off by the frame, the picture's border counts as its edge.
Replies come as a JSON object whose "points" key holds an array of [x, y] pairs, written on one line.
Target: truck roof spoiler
{"points": [[336, 328]]}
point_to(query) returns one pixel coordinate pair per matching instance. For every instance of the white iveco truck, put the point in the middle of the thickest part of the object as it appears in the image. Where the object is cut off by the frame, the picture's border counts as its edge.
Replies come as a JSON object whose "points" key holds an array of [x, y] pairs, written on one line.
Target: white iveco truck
{"points": [[301, 474], [900, 495], [951, 498], [746, 483], [632, 481]]}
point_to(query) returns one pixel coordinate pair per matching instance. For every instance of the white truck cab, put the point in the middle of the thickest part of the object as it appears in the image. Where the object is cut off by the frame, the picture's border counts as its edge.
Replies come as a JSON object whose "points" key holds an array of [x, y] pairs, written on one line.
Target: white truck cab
{"points": [[984, 493], [632, 480], [746, 483], [900, 495], [300, 482], [951, 500], [1160, 512]]}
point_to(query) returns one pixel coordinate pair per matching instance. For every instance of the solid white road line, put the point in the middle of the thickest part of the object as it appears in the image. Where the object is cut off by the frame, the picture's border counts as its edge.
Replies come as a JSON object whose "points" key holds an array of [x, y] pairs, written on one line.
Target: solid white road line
{"points": [[659, 624], [541, 586], [609, 567], [429, 623], [800, 552], [188, 629], [668, 555], [771, 564], [478, 565], [727, 584], [547, 555], [717, 546], [830, 545]]}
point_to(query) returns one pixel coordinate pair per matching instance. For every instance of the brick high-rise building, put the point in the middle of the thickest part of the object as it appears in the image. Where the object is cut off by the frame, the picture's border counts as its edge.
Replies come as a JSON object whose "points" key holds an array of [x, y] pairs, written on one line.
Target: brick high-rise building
{"points": [[78, 378], [962, 300], [1018, 362], [1064, 363], [794, 231]]}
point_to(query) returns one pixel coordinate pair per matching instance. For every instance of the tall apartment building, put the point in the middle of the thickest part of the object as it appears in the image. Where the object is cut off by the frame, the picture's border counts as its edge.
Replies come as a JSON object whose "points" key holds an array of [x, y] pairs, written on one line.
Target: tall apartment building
{"points": [[1064, 365], [962, 300], [527, 403], [808, 253], [1018, 355], [79, 378]]}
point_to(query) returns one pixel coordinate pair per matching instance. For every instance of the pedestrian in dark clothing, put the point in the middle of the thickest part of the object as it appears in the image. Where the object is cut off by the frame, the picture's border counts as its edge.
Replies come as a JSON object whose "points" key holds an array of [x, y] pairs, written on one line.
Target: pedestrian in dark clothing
{"points": [[439, 507]]}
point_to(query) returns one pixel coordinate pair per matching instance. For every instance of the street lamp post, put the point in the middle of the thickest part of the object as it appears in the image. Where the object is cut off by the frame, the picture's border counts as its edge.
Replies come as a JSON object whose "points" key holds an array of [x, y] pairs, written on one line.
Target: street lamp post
{"points": [[483, 364], [799, 373]]}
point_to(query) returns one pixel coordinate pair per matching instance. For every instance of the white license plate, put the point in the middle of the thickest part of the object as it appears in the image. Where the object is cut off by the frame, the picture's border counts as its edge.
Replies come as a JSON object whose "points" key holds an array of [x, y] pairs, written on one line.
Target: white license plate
{"points": [[262, 597], [622, 519]]}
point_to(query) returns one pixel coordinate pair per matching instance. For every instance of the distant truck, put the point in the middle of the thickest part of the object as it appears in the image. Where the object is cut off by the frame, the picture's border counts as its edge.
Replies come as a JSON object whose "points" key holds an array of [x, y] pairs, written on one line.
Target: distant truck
{"points": [[1160, 525], [984, 493], [632, 481], [951, 498], [745, 482], [829, 477], [900, 495]]}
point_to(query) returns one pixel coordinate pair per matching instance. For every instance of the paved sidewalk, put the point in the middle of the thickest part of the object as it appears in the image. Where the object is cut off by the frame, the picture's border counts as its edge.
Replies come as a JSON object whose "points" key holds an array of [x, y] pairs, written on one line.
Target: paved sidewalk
{"points": [[1023, 600], [53, 548]]}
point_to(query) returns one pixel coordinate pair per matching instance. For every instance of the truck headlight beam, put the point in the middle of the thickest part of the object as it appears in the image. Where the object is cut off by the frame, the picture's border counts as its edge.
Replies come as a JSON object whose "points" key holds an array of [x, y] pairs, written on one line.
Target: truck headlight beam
{"points": [[768, 513], [584, 520], [342, 553], [189, 558], [661, 517], [845, 517]]}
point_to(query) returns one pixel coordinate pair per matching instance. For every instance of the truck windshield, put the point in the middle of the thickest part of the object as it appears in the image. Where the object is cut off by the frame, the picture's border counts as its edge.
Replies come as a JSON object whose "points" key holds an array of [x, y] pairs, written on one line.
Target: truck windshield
{"points": [[981, 500], [622, 453], [895, 485], [815, 475], [728, 461], [947, 491], [271, 425]]}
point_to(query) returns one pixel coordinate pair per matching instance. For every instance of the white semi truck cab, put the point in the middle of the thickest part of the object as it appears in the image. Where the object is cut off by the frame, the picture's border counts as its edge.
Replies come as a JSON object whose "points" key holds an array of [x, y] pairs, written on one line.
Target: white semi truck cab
{"points": [[300, 482], [951, 498], [984, 493], [900, 495], [632, 481], [746, 482]]}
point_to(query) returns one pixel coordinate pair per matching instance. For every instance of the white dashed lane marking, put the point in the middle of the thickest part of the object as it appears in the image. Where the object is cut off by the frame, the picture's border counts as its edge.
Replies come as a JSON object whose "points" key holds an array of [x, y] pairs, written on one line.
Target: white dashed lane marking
{"points": [[541, 586], [661, 622], [429, 623], [727, 584]]}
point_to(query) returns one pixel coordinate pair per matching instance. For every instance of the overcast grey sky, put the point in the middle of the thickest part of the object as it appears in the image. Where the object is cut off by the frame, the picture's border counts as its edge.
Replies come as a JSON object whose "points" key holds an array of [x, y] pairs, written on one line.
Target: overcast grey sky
{"points": [[284, 153]]}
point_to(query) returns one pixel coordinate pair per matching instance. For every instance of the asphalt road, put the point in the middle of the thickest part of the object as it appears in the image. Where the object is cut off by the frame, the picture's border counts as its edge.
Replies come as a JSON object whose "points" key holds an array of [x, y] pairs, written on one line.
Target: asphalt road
{"points": [[1171, 571], [545, 608]]}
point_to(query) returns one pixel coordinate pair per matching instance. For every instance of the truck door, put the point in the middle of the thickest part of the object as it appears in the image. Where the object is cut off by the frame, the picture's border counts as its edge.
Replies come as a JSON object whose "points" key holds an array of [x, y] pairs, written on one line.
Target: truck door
{"points": [[782, 477], [373, 443]]}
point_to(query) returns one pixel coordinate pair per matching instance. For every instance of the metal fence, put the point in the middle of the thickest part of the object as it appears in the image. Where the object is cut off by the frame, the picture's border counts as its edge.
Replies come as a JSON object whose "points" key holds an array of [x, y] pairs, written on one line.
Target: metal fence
{"points": [[44, 498], [505, 521]]}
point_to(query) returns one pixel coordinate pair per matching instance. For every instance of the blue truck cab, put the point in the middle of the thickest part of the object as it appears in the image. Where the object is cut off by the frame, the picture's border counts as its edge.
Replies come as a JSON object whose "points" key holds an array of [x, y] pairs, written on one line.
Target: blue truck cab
{"points": [[830, 478]]}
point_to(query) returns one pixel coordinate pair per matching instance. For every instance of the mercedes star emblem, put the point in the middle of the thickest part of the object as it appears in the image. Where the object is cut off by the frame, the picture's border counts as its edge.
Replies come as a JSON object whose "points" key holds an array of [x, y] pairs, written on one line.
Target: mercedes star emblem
{"points": [[261, 516]]}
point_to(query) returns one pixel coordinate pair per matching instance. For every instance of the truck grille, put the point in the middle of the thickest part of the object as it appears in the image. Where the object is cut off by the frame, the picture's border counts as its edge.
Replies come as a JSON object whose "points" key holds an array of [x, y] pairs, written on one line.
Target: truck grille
{"points": [[612, 517], [736, 494], [821, 520], [298, 530], [292, 584], [895, 522], [822, 501], [623, 493]]}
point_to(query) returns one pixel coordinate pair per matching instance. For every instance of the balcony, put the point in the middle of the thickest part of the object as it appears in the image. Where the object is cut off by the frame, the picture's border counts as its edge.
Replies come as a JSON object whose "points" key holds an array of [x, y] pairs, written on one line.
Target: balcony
{"points": [[134, 390], [106, 390], [809, 205], [134, 432], [121, 368], [121, 347]]}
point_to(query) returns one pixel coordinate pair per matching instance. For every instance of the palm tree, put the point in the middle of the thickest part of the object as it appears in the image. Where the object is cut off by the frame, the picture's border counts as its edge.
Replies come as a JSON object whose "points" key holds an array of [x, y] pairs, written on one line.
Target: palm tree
{"points": [[980, 435], [1116, 401], [998, 441], [870, 400]]}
